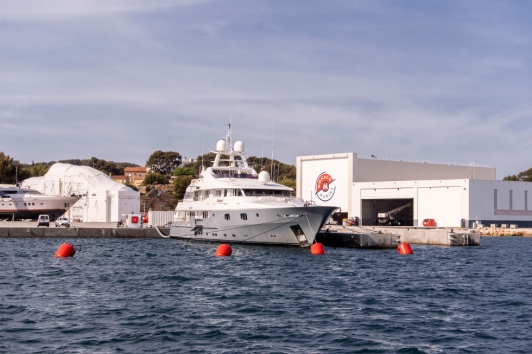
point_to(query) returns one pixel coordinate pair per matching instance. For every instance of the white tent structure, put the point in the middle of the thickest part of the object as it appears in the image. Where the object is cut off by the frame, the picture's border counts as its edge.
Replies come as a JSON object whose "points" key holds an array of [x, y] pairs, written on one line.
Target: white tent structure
{"points": [[103, 200]]}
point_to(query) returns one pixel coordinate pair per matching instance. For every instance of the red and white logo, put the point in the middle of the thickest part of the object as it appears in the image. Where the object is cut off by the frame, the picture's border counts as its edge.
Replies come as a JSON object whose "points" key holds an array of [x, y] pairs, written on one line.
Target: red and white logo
{"points": [[324, 190]]}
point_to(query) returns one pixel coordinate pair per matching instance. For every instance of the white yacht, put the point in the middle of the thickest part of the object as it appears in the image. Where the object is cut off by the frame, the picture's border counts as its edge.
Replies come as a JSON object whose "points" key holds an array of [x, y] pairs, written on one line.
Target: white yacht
{"points": [[24, 203], [230, 202]]}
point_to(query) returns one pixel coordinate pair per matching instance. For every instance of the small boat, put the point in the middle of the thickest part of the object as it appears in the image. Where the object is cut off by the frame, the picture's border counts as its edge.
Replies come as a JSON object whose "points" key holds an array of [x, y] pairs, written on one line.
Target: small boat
{"points": [[231, 202], [23, 203]]}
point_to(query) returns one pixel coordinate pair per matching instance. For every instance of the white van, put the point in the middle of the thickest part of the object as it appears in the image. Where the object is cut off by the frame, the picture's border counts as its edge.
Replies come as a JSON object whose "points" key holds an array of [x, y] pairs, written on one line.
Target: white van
{"points": [[43, 220]]}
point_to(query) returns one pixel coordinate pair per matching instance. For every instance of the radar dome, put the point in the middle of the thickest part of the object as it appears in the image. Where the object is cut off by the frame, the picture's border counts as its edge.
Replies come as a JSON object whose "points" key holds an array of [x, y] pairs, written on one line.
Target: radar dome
{"points": [[221, 146], [239, 147], [264, 177]]}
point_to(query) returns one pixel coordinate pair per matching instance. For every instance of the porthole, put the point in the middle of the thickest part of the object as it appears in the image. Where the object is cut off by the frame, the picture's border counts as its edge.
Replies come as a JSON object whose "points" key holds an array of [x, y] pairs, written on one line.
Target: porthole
{"points": [[227, 217], [257, 214]]}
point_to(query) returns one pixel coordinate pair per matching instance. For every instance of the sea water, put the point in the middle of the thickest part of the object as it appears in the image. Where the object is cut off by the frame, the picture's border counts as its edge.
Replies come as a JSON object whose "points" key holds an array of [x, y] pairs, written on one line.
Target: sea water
{"points": [[163, 296]]}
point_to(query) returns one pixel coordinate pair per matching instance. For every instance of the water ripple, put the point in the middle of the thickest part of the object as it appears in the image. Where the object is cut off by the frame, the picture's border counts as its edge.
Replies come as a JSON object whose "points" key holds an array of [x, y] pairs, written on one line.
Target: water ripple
{"points": [[160, 296]]}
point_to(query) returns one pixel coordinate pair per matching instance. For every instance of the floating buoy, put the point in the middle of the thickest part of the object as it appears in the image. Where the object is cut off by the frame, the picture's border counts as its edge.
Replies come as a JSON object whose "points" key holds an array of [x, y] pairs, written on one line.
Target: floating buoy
{"points": [[404, 248], [317, 248], [224, 250], [65, 250]]}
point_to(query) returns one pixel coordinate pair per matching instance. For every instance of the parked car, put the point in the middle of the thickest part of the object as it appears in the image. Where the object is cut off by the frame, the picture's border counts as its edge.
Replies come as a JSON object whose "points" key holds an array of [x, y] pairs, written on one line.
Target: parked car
{"points": [[43, 220], [62, 221]]}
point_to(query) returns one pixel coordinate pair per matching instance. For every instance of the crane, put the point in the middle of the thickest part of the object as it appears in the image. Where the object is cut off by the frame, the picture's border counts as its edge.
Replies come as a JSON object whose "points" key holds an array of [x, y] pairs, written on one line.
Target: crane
{"points": [[388, 217]]}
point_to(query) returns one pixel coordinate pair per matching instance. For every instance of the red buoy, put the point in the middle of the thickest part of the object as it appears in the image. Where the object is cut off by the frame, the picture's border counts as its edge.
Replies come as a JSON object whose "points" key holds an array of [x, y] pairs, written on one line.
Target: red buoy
{"points": [[404, 248], [317, 248], [224, 250], [65, 250]]}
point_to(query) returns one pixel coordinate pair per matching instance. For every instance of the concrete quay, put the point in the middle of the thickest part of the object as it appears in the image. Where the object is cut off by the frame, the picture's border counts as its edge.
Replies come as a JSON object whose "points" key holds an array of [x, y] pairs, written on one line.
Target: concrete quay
{"points": [[21, 229], [356, 237], [391, 237], [333, 236]]}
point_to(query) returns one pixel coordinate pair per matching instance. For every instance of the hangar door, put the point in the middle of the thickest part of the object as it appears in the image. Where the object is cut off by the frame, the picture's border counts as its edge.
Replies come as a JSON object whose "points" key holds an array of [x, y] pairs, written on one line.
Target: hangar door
{"points": [[442, 204], [384, 200]]}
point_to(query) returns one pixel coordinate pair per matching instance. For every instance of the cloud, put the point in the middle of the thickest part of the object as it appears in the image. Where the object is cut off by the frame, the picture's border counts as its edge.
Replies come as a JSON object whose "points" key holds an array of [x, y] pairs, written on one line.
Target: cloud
{"points": [[120, 79]]}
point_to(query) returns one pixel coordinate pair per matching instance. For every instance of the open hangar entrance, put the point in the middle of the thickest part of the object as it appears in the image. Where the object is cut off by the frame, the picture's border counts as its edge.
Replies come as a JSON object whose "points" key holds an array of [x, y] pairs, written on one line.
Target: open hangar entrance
{"points": [[399, 212]]}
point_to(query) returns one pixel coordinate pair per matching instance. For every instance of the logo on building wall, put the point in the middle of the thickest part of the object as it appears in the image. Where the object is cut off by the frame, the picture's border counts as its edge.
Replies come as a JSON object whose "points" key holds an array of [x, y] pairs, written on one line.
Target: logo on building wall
{"points": [[324, 191]]}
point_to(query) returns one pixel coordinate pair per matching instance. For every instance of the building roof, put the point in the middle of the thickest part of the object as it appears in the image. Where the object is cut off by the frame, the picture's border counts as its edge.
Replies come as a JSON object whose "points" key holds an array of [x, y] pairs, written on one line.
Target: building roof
{"points": [[135, 169]]}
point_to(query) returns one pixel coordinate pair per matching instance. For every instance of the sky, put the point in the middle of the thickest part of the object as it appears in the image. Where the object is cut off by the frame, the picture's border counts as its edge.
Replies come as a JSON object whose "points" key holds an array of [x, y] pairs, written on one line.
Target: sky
{"points": [[447, 81]]}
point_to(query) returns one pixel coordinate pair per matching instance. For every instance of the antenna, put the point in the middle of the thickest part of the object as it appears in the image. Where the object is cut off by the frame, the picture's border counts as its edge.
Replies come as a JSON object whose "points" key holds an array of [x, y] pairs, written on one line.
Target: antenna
{"points": [[202, 153], [262, 157], [273, 132]]}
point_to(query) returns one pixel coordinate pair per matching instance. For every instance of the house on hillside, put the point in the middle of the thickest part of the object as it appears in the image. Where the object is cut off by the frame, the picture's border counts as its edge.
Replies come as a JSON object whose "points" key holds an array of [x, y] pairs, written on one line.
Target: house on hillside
{"points": [[134, 175]]}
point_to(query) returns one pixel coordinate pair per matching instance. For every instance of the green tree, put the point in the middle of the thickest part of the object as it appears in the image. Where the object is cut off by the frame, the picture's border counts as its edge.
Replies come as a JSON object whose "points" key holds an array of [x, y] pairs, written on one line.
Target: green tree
{"points": [[38, 170], [525, 176], [164, 162], [184, 171], [7, 169], [180, 186], [289, 182], [132, 187], [152, 178], [108, 167]]}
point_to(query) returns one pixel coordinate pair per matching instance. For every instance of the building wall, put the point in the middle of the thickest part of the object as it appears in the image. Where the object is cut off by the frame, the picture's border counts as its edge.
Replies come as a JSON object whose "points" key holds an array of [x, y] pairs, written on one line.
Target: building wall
{"points": [[446, 201], [135, 175], [509, 205], [338, 167], [450, 201], [346, 168], [366, 170]]}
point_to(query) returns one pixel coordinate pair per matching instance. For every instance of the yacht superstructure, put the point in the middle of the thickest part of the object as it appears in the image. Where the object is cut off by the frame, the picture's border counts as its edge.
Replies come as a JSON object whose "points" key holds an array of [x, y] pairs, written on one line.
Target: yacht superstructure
{"points": [[231, 202], [24, 203]]}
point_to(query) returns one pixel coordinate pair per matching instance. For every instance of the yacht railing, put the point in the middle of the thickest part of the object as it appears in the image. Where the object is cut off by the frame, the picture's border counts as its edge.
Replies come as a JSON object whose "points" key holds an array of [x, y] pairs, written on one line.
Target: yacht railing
{"points": [[241, 175], [297, 202]]}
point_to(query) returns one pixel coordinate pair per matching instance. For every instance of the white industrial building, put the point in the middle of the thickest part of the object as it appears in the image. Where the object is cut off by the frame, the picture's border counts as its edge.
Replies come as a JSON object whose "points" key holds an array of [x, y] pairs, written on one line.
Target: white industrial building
{"points": [[103, 200], [453, 195]]}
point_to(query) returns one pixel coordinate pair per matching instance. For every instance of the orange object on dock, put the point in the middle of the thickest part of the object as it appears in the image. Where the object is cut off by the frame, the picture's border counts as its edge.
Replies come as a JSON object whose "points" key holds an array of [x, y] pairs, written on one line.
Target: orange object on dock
{"points": [[429, 223]]}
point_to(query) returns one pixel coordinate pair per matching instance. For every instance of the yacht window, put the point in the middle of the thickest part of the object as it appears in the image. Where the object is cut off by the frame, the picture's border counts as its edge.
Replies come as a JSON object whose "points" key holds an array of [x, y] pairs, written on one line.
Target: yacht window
{"points": [[244, 216], [225, 192], [205, 214], [32, 203], [266, 192], [218, 193], [227, 217]]}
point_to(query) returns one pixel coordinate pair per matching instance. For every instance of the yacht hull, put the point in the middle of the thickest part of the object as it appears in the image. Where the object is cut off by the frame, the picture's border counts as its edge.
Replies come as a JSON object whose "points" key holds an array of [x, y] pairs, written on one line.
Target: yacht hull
{"points": [[30, 206], [294, 226]]}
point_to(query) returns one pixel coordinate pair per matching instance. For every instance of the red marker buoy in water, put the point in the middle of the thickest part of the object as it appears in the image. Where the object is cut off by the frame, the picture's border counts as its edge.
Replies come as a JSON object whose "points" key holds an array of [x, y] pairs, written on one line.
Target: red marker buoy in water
{"points": [[224, 250], [65, 250], [404, 248], [317, 248]]}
